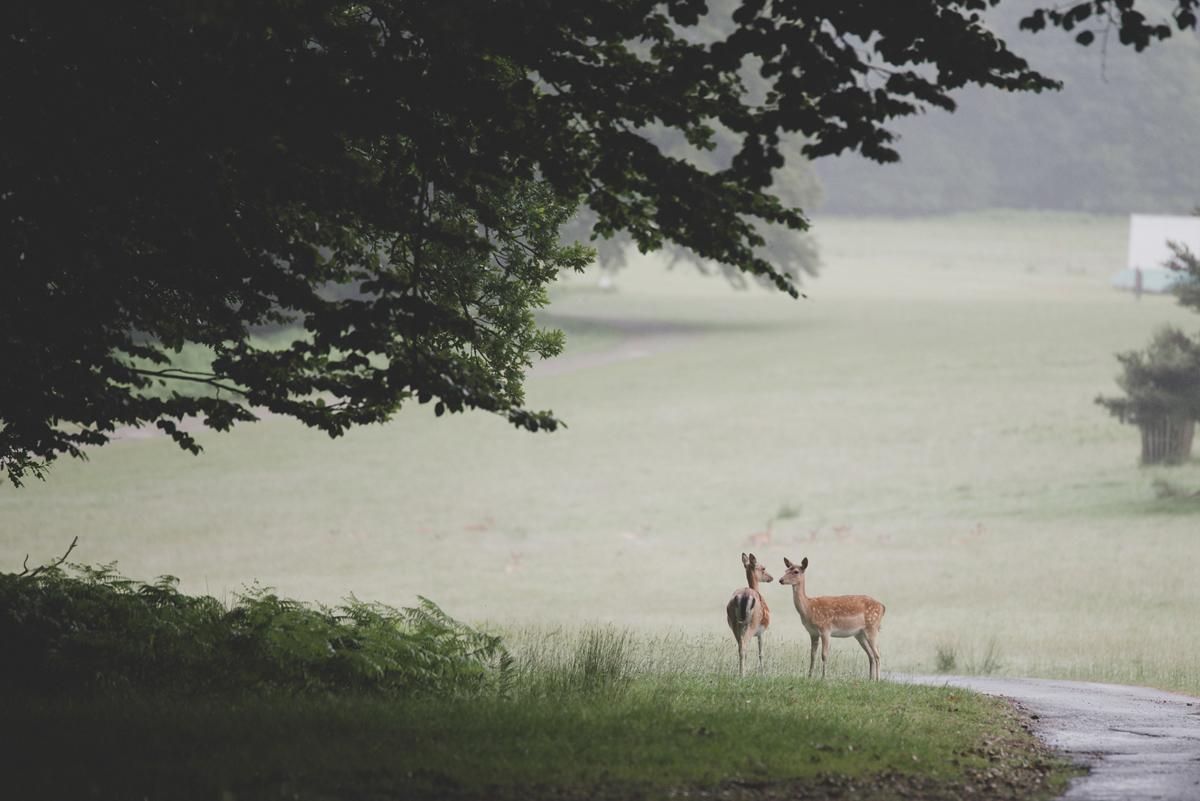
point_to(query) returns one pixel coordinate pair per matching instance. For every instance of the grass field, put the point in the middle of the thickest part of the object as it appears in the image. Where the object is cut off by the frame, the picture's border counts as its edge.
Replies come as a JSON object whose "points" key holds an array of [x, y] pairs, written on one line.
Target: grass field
{"points": [[598, 713], [931, 400]]}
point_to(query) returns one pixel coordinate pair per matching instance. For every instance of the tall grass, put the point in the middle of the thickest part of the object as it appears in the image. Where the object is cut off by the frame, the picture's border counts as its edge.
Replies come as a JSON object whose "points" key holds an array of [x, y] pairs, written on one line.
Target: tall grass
{"points": [[155, 693], [596, 660], [607, 658], [953, 658]]}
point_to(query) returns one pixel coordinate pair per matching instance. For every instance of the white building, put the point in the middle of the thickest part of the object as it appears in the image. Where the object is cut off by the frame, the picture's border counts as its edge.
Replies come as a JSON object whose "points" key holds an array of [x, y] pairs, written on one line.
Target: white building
{"points": [[1148, 237]]}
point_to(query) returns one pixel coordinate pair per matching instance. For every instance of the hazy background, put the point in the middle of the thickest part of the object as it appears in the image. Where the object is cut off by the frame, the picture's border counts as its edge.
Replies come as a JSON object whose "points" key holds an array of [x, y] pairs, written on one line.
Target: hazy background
{"points": [[931, 402], [921, 426], [1120, 137]]}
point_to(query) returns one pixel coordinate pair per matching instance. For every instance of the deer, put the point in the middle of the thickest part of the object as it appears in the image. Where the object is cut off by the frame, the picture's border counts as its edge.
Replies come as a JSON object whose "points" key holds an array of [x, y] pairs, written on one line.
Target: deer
{"points": [[748, 614], [979, 530], [760, 538], [854, 616]]}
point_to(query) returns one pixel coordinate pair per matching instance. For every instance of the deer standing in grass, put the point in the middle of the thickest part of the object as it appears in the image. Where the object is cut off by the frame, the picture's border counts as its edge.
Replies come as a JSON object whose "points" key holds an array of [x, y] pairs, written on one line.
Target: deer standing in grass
{"points": [[760, 538], [854, 616], [748, 614]]}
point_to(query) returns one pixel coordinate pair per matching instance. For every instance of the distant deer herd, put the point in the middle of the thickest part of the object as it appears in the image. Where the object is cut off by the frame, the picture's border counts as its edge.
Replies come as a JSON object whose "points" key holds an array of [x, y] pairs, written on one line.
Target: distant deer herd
{"points": [[854, 616]]}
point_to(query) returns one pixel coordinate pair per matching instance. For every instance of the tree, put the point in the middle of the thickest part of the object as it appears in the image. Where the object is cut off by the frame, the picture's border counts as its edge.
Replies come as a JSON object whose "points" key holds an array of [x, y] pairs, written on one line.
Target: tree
{"points": [[1162, 383], [1113, 140], [181, 172], [1105, 17]]}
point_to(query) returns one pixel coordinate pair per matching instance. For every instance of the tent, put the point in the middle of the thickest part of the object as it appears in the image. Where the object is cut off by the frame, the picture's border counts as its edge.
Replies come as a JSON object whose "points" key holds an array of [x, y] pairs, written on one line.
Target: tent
{"points": [[1148, 237]]}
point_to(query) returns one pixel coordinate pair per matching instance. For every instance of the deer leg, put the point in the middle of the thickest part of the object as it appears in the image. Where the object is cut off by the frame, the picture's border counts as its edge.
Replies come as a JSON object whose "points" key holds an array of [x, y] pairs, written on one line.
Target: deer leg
{"points": [[762, 668], [871, 657], [871, 637], [812, 657], [742, 641], [824, 652]]}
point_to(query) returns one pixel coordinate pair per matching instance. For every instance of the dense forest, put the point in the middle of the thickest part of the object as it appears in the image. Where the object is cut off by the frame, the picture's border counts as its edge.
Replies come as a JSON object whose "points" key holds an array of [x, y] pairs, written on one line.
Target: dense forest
{"points": [[1121, 137]]}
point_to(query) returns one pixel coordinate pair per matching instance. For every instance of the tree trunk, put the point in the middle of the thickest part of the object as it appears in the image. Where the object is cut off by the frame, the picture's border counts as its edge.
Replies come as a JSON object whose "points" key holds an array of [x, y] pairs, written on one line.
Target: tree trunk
{"points": [[1167, 441]]}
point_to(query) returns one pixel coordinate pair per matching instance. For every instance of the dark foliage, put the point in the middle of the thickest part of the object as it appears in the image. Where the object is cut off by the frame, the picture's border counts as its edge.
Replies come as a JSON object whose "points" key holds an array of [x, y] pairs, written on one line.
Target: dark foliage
{"points": [[100, 632], [181, 171], [1163, 382], [1187, 264], [1120, 17]]}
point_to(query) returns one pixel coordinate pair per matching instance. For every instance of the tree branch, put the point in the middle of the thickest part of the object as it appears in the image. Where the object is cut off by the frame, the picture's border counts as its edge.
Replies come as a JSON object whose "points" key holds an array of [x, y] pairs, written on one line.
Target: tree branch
{"points": [[189, 375], [37, 570]]}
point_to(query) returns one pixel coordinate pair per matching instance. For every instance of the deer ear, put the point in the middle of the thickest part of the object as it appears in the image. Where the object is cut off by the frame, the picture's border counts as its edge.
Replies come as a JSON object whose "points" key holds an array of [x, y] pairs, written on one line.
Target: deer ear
{"points": [[745, 560], [804, 563], [753, 559], [787, 562]]}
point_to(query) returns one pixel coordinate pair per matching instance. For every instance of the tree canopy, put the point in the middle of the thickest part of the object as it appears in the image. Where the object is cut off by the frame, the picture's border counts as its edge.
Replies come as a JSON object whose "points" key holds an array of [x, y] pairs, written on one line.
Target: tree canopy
{"points": [[181, 173], [1163, 382]]}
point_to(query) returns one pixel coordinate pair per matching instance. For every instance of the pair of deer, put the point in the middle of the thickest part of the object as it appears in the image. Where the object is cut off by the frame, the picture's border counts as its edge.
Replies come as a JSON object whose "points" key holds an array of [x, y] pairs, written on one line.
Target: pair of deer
{"points": [[854, 616]]}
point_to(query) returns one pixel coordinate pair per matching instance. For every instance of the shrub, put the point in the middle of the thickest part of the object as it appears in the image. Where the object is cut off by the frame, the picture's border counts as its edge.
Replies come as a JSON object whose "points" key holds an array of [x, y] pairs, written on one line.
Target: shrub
{"points": [[1162, 386], [947, 658], [99, 631], [1162, 383]]}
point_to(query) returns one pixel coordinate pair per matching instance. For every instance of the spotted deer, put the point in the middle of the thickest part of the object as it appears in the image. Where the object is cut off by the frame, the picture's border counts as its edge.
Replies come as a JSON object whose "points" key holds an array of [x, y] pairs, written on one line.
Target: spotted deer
{"points": [[748, 614], [854, 616]]}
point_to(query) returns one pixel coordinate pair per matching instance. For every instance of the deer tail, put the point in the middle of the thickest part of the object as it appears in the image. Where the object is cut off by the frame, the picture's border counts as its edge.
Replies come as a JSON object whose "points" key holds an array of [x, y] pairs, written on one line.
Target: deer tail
{"points": [[746, 606]]}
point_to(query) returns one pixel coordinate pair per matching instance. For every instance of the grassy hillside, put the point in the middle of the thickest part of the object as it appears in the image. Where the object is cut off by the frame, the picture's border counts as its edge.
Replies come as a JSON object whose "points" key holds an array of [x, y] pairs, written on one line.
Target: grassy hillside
{"points": [[931, 402]]}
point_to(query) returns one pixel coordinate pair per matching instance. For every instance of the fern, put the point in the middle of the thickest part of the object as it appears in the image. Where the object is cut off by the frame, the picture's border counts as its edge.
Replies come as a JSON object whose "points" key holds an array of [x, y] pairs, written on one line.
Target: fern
{"points": [[100, 631]]}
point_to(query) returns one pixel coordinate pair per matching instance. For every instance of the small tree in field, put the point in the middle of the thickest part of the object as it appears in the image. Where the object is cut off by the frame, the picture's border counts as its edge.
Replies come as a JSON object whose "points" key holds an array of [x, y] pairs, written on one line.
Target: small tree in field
{"points": [[1162, 383]]}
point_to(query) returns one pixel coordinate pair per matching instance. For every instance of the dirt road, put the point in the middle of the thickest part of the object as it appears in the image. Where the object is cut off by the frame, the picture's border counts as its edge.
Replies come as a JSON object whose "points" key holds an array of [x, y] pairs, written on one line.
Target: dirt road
{"points": [[1138, 743]]}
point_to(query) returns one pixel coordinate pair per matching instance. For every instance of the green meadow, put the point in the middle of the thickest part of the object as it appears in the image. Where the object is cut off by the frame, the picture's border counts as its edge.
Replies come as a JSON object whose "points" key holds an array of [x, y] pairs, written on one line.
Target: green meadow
{"points": [[628, 723], [921, 426]]}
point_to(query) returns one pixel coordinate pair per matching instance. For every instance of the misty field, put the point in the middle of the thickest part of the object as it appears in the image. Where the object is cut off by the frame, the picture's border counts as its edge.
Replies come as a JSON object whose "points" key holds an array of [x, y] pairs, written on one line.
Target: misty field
{"points": [[921, 427]]}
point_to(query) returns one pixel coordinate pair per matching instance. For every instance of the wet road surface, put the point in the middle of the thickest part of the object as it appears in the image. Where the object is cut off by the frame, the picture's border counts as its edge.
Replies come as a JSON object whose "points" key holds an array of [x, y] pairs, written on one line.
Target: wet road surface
{"points": [[1138, 743]]}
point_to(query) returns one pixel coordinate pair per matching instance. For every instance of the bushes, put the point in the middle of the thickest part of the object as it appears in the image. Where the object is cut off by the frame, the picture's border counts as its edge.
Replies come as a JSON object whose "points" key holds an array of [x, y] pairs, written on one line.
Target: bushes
{"points": [[1162, 383], [1163, 394], [100, 631]]}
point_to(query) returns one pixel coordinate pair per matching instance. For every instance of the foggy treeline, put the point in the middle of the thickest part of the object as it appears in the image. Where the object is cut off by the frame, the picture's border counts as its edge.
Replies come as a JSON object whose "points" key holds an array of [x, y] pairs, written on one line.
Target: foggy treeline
{"points": [[1122, 136]]}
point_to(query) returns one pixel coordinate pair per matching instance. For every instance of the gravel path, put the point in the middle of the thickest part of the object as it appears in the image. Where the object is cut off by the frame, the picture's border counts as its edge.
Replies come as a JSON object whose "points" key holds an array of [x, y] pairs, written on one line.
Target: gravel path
{"points": [[1139, 743]]}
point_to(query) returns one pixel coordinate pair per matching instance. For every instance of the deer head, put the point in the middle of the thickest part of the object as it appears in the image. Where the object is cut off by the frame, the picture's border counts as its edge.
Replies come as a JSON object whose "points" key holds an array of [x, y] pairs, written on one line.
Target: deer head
{"points": [[752, 565], [794, 572]]}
